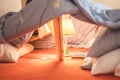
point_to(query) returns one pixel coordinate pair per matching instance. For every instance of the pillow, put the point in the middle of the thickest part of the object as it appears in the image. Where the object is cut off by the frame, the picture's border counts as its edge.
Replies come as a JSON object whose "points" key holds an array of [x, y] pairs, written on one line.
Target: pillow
{"points": [[109, 41], [9, 53], [106, 63], [117, 70]]}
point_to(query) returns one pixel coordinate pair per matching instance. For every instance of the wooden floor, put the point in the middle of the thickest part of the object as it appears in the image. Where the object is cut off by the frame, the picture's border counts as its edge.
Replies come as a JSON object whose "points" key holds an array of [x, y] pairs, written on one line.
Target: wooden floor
{"points": [[43, 65]]}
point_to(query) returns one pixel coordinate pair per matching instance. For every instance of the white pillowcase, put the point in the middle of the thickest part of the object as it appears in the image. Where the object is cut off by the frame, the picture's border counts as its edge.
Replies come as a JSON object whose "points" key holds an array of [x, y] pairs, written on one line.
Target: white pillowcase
{"points": [[9, 53], [107, 63]]}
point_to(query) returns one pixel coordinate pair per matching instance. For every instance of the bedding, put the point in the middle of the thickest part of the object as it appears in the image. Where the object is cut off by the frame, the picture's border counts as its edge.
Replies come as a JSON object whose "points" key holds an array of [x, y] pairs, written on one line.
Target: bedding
{"points": [[105, 43], [84, 34], [9, 53], [99, 13], [107, 64], [29, 17], [20, 41]]}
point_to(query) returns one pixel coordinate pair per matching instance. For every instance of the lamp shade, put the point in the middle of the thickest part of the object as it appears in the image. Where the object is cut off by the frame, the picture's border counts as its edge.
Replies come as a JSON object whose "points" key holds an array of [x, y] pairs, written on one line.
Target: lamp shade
{"points": [[67, 27]]}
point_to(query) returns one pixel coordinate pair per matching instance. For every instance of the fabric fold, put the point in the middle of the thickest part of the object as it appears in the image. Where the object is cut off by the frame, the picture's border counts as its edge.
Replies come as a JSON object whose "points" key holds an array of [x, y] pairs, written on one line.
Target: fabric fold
{"points": [[99, 13], [34, 15], [39, 12], [2, 21]]}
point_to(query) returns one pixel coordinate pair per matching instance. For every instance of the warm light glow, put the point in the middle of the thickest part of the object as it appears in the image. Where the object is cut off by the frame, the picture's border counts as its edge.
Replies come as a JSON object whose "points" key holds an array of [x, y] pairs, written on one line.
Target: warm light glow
{"points": [[68, 27], [51, 26], [67, 30]]}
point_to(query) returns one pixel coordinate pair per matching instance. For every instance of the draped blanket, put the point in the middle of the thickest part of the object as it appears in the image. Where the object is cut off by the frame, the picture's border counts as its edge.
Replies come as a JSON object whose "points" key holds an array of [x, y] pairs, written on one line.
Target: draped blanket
{"points": [[39, 12]]}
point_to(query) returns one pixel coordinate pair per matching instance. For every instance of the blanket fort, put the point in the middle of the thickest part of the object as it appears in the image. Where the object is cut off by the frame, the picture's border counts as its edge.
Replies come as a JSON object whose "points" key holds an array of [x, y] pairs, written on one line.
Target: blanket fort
{"points": [[39, 12]]}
